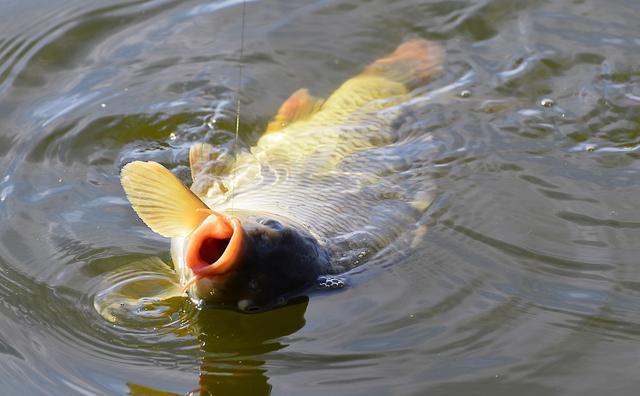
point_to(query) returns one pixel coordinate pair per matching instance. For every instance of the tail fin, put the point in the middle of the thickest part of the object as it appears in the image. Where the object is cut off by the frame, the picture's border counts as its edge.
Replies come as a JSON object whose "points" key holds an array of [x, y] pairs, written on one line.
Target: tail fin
{"points": [[412, 63]]}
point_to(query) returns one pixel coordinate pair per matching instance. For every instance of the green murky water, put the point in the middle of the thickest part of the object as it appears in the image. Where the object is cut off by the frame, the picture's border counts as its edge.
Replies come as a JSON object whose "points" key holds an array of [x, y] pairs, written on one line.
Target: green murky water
{"points": [[527, 281]]}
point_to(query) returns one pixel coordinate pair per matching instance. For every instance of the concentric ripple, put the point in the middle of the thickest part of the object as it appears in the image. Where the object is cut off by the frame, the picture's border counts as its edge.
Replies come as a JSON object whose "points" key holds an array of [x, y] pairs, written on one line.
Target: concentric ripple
{"points": [[522, 276]]}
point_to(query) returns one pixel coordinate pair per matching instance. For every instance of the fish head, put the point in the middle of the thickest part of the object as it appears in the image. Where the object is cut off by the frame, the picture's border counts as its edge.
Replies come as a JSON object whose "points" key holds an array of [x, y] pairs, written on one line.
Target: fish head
{"points": [[245, 259], [252, 262]]}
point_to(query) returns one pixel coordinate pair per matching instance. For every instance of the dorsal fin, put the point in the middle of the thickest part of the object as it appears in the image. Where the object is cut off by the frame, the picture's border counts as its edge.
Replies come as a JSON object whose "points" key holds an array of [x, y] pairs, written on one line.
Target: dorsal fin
{"points": [[299, 106], [166, 205]]}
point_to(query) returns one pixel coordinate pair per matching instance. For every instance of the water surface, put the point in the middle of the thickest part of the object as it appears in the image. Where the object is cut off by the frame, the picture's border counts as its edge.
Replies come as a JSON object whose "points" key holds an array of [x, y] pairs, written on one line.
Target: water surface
{"points": [[526, 282]]}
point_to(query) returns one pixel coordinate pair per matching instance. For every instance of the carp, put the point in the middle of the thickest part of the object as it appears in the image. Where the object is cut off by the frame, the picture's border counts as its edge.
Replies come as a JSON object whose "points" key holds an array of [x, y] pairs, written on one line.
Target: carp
{"points": [[325, 187]]}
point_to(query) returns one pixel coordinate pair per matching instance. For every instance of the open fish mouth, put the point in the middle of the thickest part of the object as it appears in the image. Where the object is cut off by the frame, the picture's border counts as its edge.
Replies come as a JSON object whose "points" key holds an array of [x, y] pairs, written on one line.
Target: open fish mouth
{"points": [[215, 246]]}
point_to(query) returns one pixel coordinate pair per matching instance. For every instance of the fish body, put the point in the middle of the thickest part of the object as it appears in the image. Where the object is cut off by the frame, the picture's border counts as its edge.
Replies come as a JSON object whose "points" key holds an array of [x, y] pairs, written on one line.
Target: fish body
{"points": [[323, 188]]}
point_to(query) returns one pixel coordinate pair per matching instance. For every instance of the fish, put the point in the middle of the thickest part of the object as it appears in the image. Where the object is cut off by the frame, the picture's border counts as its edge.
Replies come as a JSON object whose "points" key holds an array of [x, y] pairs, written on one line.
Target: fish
{"points": [[325, 188]]}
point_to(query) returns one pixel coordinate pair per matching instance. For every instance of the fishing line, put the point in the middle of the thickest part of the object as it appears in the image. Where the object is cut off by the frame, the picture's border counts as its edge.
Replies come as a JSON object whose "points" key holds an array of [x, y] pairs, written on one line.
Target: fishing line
{"points": [[238, 91]]}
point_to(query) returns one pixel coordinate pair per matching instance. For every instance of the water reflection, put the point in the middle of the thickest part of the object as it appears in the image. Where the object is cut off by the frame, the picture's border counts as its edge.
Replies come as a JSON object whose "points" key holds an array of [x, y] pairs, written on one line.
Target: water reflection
{"points": [[233, 347], [234, 344]]}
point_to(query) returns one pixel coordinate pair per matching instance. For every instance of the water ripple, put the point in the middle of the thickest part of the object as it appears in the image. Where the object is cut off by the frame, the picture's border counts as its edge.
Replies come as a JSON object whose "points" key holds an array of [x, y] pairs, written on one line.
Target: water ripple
{"points": [[521, 275]]}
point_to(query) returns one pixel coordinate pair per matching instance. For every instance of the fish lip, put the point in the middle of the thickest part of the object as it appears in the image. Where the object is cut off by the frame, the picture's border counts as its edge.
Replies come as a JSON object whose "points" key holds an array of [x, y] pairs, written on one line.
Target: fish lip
{"points": [[218, 227]]}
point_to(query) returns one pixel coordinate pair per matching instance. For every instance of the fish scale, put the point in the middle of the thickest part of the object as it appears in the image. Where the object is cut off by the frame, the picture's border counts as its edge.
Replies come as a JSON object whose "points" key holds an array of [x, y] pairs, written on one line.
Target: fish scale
{"points": [[330, 183], [331, 207]]}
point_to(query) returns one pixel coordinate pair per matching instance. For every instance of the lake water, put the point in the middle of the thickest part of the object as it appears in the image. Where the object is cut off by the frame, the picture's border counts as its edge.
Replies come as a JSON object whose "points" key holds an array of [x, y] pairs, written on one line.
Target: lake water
{"points": [[527, 281]]}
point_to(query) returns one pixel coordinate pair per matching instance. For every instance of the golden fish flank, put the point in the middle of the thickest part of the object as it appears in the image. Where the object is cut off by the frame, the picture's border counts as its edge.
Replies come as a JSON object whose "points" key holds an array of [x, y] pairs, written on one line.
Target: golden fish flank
{"points": [[300, 193]]}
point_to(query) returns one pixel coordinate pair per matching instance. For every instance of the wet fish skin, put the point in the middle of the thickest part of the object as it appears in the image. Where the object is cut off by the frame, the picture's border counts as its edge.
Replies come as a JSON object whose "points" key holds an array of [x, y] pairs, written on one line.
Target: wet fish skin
{"points": [[276, 234]]}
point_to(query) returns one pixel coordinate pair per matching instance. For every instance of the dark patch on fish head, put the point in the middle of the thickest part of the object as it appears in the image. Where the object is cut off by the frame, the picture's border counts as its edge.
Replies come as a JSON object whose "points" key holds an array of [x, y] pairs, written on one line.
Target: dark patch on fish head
{"points": [[277, 262]]}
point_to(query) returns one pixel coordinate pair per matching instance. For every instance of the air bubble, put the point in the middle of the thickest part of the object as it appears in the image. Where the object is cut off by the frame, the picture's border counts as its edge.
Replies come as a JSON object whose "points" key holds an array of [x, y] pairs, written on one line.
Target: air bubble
{"points": [[465, 93], [331, 282], [172, 136], [546, 102]]}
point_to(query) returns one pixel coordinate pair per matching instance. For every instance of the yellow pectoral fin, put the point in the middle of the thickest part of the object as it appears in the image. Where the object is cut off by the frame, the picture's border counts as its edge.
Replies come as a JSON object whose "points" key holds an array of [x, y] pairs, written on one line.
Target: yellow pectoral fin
{"points": [[149, 284], [299, 106], [166, 205]]}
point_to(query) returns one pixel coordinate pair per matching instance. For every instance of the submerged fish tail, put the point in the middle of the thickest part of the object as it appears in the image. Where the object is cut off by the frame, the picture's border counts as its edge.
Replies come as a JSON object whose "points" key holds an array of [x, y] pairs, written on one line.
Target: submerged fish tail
{"points": [[395, 75]]}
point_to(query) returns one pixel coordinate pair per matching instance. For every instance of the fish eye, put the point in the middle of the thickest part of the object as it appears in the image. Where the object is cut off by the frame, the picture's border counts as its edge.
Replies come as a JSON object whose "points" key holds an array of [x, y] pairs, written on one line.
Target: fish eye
{"points": [[248, 306], [273, 224]]}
